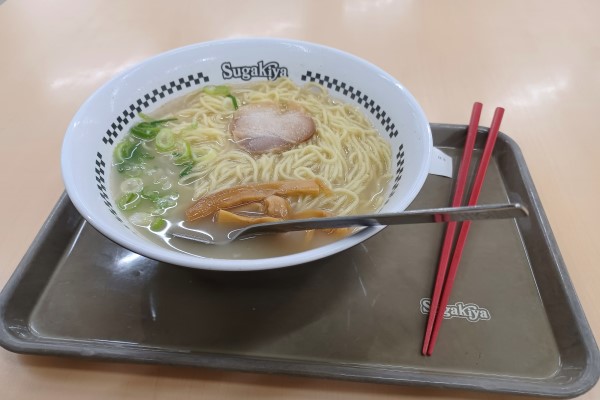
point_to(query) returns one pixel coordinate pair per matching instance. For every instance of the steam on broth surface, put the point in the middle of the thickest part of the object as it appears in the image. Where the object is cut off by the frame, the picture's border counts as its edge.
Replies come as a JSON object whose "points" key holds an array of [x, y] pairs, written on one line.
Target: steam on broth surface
{"points": [[244, 143]]}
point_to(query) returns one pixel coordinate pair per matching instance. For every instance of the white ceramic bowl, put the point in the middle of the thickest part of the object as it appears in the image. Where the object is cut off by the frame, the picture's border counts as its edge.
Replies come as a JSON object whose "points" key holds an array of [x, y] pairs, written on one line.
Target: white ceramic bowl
{"points": [[109, 113]]}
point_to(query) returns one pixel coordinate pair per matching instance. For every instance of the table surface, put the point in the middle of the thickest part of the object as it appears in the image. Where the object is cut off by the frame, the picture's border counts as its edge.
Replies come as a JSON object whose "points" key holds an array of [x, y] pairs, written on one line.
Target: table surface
{"points": [[538, 59]]}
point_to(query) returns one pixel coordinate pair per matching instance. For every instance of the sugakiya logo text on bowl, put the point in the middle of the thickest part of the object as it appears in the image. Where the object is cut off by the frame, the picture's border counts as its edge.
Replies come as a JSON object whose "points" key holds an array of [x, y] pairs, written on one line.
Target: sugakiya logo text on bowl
{"points": [[270, 70]]}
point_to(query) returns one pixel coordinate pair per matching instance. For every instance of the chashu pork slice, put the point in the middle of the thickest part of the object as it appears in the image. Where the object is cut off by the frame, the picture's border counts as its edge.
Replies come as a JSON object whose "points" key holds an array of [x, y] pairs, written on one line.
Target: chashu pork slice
{"points": [[265, 127]]}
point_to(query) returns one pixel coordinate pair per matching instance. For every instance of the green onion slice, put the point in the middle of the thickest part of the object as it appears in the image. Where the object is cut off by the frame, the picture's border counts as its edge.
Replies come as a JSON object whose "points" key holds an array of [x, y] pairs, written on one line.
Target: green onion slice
{"points": [[183, 155], [125, 151], [166, 202], [221, 90], [158, 224], [233, 101], [186, 170], [151, 195], [148, 130], [165, 140], [128, 201]]}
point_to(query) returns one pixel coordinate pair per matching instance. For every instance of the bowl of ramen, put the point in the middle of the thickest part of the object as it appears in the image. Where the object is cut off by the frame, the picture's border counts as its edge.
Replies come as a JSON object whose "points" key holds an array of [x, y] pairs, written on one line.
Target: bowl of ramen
{"points": [[224, 134]]}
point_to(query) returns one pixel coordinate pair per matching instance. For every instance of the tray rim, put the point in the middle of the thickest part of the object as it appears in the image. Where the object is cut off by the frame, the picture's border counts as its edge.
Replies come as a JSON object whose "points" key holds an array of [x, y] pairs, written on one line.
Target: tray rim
{"points": [[381, 374]]}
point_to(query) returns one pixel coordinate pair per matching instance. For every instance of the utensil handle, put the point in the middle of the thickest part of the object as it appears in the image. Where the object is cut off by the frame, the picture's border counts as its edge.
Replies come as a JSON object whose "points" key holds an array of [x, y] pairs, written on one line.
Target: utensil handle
{"points": [[434, 215]]}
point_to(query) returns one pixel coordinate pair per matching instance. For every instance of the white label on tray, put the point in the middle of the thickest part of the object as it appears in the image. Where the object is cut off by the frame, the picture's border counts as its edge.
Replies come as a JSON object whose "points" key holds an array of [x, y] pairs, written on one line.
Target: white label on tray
{"points": [[441, 163]]}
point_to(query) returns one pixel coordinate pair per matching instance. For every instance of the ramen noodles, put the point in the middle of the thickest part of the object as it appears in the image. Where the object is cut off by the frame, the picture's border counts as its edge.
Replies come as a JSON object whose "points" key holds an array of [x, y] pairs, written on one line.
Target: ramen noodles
{"points": [[226, 156]]}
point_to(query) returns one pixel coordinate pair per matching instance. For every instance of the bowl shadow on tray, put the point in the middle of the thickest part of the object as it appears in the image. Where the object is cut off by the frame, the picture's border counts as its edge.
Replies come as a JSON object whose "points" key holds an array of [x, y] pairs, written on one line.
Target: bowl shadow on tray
{"points": [[300, 310]]}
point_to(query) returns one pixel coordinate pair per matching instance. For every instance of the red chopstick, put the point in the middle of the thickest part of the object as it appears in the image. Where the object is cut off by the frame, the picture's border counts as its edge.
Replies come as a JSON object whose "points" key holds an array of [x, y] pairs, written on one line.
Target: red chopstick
{"points": [[461, 180], [464, 230]]}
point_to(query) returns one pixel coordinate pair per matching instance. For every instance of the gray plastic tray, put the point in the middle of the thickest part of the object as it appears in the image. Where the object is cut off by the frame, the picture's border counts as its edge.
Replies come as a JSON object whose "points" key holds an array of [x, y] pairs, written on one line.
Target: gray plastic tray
{"points": [[515, 324]]}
